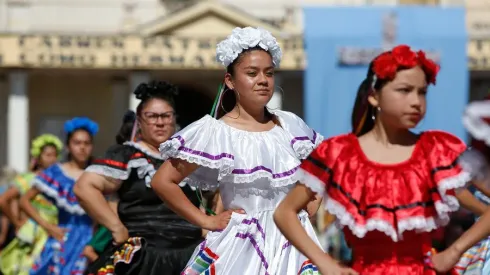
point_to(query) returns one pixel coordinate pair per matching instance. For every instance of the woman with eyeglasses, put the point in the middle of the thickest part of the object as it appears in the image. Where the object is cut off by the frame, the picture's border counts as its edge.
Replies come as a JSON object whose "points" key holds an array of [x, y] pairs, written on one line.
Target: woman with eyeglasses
{"points": [[102, 237], [148, 237]]}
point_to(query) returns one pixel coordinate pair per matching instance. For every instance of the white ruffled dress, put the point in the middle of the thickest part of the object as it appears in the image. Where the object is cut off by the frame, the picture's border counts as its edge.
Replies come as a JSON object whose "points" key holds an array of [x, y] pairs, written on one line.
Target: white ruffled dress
{"points": [[253, 171], [476, 120]]}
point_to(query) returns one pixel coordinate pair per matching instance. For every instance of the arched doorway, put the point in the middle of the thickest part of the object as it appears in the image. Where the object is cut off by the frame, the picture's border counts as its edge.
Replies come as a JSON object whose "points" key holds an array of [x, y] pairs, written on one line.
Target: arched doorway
{"points": [[192, 104]]}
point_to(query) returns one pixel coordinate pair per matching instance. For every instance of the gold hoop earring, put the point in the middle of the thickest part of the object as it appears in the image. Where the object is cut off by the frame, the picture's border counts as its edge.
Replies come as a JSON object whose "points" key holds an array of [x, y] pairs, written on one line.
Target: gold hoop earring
{"points": [[222, 97], [237, 99]]}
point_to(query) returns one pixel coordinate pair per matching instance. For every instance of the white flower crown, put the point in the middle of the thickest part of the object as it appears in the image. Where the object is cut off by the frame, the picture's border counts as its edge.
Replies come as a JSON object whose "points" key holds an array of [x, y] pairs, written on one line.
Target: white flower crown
{"points": [[244, 38]]}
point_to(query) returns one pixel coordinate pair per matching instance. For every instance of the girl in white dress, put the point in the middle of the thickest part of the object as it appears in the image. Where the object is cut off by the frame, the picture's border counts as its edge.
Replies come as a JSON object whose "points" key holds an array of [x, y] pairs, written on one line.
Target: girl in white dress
{"points": [[251, 155]]}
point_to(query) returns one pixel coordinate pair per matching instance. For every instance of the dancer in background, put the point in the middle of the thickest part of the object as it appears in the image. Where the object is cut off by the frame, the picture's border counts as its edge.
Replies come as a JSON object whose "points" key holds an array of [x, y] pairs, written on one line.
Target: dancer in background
{"points": [[18, 257], [448, 258], [7, 230], [477, 259], [252, 155], [335, 244], [387, 186], [62, 253], [103, 237], [150, 238], [471, 252]]}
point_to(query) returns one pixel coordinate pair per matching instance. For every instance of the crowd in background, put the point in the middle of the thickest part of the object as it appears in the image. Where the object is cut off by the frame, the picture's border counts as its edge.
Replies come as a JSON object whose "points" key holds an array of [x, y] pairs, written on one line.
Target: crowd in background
{"points": [[247, 182], [330, 236]]}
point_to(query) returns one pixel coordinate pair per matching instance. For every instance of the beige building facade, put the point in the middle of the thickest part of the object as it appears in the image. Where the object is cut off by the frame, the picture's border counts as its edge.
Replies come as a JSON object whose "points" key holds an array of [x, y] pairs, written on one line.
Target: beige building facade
{"points": [[65, 58], [48, 77], [478, 26]]}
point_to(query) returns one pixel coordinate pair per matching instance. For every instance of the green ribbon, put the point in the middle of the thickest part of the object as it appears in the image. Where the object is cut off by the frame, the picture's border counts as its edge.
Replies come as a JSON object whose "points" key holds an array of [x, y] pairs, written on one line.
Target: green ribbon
{"points": [[215, 104], [216, 99]]}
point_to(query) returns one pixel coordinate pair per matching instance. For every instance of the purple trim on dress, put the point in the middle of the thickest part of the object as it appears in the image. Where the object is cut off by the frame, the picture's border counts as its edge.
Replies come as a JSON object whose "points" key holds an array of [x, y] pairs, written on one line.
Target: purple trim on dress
{"points": [[260, 167], [230, 156], [200, 153], [202, 246], [256, 221], [313, 139], [255, 245]]}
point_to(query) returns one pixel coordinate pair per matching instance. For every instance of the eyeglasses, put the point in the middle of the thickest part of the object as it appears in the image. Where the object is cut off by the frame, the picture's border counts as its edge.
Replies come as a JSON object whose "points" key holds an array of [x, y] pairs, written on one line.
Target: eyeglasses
{"points": [[152, 118]]}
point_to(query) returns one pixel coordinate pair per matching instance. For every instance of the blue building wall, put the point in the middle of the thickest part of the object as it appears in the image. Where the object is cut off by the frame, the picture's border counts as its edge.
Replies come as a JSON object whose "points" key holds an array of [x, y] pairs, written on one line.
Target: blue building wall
{"points": [[330, 88]]}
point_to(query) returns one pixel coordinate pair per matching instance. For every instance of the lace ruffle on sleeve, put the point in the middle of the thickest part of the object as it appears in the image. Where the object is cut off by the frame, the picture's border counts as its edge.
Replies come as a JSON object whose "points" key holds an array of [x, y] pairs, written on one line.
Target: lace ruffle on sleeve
{"points": [[316, 170], [303, 138], [58, 188], [474, 120], [120, 160], [448, 171]]}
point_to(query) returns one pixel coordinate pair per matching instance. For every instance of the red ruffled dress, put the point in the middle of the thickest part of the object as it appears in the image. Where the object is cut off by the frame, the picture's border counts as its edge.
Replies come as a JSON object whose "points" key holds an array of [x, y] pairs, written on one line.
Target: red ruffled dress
{"points": [[388, 210]]}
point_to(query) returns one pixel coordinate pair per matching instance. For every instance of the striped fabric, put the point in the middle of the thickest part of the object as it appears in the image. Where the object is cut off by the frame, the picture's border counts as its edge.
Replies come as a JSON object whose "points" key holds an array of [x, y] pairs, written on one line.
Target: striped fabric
{"points": [[203, 264]]}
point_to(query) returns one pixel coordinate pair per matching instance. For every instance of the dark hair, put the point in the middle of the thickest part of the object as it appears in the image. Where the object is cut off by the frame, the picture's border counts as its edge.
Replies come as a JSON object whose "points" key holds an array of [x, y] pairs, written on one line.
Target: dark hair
{"points": [[67, 142], [126, 129], [49, 145], [70, 135], [155, 89], [229, 100], [37, 163], [362, 112]]}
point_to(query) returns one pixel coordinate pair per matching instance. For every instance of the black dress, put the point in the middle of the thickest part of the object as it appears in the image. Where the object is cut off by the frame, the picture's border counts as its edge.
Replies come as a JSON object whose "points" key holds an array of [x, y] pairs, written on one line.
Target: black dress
{"points": [[161, 242]]}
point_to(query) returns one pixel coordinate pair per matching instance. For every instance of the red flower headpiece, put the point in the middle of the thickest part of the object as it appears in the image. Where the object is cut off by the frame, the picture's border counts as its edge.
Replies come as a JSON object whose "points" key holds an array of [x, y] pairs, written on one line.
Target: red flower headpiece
{"points": [[386, 65]]}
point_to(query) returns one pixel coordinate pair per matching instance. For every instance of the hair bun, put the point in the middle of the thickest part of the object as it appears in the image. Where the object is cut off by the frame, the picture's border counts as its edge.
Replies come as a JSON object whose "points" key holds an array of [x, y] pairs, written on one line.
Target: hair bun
{"points": [[141, 91], [155, 88], [163, 87]]}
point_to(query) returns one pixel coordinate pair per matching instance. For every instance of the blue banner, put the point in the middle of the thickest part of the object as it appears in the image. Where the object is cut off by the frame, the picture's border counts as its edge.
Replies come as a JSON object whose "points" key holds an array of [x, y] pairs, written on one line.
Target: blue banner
{"points": [[340, 42]]}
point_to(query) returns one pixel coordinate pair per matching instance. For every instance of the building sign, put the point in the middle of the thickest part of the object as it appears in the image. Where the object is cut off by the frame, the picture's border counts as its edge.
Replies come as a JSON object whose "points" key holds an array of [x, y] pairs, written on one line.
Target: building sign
{"points": [[357, 56], [124, 52], [479, 54], [479, 29], [477, 21]]}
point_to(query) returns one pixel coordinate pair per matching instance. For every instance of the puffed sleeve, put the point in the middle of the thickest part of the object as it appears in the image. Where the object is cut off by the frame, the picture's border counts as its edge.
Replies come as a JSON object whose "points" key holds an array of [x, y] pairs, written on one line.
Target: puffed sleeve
{"points": [[117, 162], [444, 152], [204, 142], [46, 181], [23, 183], [58, 188], [476, 121], [316, 170], [303, 138], [476, 164]]}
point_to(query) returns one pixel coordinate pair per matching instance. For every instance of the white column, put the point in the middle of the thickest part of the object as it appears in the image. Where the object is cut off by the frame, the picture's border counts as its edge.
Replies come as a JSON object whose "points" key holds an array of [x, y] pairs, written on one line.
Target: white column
{"points": [[119, 102], [276, 101], [18, 122], [135, 78]]}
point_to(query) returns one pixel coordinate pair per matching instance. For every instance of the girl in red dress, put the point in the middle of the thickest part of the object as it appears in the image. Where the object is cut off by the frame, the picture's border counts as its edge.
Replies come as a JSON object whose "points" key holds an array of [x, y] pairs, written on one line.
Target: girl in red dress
{"points": [[388, 187]]}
